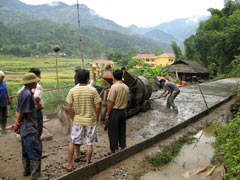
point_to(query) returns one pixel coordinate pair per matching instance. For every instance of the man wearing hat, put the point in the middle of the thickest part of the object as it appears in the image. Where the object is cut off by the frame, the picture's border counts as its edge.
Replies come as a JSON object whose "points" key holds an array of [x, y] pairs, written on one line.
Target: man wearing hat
{"points": [[4, 101], [31, 145], [39, 103]]}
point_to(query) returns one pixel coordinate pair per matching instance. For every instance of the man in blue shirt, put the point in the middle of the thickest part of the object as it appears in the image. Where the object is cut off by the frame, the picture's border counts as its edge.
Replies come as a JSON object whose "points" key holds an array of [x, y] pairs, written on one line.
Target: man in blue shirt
{"points": [[26, 113], [173, 90], [4, 101]]}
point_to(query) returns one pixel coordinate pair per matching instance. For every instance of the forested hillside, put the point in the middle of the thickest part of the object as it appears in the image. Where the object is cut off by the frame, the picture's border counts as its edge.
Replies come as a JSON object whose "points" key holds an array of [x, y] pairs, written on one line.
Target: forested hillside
{"points": [[26, 34], [161, 36], [217, 41], [61, 13]]}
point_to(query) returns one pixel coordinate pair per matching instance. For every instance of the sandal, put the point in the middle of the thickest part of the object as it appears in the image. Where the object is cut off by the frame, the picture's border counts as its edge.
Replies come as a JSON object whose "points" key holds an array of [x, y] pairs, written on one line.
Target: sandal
{"points": [[64, 166], [79, 159], [109, 153]]}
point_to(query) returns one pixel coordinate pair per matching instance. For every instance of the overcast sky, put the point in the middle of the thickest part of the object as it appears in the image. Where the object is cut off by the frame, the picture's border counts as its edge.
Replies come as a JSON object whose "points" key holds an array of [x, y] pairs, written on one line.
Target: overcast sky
{"points": [[144, 13]]}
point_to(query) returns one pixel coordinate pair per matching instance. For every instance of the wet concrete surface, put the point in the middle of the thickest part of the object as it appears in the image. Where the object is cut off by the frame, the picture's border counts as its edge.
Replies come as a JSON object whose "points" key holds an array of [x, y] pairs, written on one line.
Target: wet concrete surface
{"points": [[189, 102], [139, 128]]}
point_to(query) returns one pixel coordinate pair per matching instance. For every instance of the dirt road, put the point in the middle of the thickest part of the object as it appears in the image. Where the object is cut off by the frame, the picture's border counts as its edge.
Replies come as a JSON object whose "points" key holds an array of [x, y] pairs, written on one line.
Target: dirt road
{"points": [[139, 128]]}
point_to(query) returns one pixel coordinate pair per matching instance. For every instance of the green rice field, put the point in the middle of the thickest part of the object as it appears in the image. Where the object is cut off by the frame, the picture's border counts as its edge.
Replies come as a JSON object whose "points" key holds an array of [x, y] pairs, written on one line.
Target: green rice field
{"points": [[15, 67]]}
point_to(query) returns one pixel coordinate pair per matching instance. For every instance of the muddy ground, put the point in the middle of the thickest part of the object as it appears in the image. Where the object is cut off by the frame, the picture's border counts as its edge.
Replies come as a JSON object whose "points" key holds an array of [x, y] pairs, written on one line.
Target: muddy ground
{"points": [[136, 166], [56, 149], [139, 128]]}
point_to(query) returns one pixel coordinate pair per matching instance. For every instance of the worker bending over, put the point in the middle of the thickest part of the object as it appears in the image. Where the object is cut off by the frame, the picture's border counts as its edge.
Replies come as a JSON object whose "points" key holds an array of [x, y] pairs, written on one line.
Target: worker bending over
{"points": [[173, 90]]}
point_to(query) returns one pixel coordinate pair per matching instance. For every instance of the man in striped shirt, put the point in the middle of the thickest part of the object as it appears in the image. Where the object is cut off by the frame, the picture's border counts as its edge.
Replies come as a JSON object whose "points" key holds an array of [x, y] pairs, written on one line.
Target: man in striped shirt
{"points": [[86, 103]]}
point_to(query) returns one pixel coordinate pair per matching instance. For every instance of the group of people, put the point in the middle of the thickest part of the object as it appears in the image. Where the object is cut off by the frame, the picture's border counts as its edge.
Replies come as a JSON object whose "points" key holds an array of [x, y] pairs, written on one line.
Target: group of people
{"points": [[84, 106], [29, 120]]}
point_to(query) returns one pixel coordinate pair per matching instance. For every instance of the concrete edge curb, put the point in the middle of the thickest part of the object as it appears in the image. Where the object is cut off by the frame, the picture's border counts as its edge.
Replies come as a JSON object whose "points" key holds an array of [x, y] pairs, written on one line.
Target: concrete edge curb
{"points": [[102, 164]]}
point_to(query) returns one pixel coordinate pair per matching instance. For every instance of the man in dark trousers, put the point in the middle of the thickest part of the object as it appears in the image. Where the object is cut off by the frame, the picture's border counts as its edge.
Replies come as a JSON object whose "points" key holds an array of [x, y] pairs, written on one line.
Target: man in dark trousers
{"points": [[39, 103], [4, 101], [116, 112], [173, 90], [27, 118]]}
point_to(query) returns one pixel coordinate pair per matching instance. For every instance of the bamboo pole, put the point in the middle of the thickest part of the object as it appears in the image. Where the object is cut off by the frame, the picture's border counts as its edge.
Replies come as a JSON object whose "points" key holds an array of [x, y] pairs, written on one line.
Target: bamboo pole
{"points": [[56, 49], [203, 97], [80, 36], [57, 71]]}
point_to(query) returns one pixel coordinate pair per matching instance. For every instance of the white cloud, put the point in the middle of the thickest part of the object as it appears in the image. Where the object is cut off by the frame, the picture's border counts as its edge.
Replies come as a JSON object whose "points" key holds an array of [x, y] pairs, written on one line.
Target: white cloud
{"points": [[54, 3], [144, 12], [193, 19]]}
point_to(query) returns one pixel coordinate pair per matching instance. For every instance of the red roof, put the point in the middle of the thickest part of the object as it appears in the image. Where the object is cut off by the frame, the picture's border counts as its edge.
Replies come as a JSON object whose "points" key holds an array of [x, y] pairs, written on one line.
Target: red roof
{"points": [[168, 55], [145, 56], [104, 61]]}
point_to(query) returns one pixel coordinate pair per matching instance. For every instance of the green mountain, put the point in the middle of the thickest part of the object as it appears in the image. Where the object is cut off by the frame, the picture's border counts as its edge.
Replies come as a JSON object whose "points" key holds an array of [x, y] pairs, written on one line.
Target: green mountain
{"points": [[161, 36], [40, 29], [58, 12], [39, 37]]}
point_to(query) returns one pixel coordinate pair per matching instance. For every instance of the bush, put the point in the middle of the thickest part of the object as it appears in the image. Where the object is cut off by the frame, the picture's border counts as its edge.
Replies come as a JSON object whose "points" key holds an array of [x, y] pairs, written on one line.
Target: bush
{"points": [[227, 146]]}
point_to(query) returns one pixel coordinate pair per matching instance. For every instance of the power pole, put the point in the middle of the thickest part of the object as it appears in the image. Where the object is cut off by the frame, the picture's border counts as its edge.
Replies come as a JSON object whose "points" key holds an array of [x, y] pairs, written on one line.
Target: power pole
{"points": [[80, 36]]}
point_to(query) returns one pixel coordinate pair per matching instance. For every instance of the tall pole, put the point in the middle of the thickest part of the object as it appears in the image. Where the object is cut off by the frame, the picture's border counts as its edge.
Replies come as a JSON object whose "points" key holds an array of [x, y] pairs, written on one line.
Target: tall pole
{"points": [[57, 71], [56, 49], [80, 37]]}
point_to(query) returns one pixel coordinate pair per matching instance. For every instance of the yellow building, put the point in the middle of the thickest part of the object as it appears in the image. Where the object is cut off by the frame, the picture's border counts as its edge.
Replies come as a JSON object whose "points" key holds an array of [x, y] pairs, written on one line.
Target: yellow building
{"points": [[164, 59]]}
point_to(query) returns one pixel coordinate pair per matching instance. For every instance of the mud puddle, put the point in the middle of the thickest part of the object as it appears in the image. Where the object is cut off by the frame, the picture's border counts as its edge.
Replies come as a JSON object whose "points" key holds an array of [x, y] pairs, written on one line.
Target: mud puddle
{"points": [[191, 156]]}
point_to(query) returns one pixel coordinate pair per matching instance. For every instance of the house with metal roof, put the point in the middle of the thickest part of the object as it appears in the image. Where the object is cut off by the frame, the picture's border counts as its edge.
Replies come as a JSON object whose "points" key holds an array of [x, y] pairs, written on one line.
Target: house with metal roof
{"points": [[153, 60]]}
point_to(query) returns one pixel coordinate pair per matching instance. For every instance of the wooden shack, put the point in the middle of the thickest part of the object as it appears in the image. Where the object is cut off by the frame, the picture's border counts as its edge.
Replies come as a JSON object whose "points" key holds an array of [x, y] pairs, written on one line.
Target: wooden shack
{"points": [[186, 69]]}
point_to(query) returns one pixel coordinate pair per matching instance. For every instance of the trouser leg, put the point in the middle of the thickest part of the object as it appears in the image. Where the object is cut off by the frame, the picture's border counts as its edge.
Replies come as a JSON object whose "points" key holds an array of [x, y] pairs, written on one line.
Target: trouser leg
{"points": [[40, 122], [122, 130], [31, 147], [40, 125], [25, 160], [31, 151], [169, 101], [3, 118], [172, 98], [113, 130]]}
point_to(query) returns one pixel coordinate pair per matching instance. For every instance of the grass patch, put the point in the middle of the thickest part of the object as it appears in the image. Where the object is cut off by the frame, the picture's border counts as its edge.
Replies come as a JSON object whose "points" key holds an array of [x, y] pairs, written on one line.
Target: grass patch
{"points": [[136, 176], [169, 152], [227, 146]]}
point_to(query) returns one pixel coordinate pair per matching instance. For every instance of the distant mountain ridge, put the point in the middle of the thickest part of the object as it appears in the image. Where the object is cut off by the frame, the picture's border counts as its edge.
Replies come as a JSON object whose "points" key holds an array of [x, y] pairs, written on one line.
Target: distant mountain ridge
{"points": [[59, 12], [46, 19], [180, 29], [40, 29], [161, 36]]}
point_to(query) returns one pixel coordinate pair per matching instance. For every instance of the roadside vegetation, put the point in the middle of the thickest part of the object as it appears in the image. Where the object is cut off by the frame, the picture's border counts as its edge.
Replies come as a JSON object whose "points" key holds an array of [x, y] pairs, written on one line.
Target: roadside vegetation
{"points": [[227, 146], [169, 152], [216, 43]]}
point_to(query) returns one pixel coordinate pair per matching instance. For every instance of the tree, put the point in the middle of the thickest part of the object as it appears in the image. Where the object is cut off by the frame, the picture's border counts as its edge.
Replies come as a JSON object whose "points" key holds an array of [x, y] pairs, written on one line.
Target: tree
{"points": [[158, 51], [96, 52], [217, 41], [177, 51]]}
